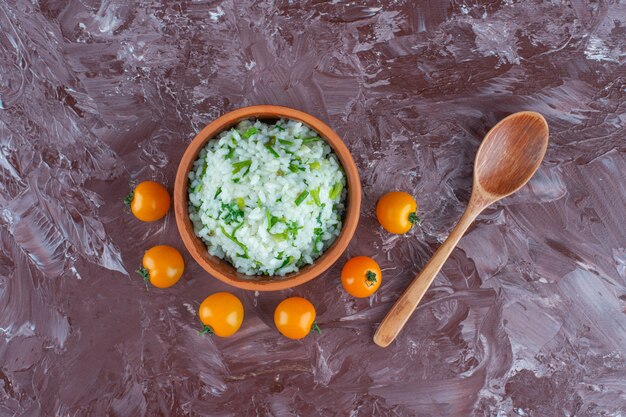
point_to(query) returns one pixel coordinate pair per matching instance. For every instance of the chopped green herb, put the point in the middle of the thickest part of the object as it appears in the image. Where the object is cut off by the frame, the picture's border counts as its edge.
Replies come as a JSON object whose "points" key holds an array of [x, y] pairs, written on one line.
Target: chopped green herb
{"points": [[301, 197], [285, 142], [218, 192], [231, 213], [279, 237], [315, 194], [280, 255], [241, 202], [279, 127], [319, 215], [258, 202], [235, 240], [293, 168], [318, 232], [315, 165], [237, 228], [198, 188], [231, 153], [293, 227], [280, 173], [249, 132], [271, 150], [204, 168], [271, 220], [286, 262], [310, 140], [336, 191], [238, 166]]}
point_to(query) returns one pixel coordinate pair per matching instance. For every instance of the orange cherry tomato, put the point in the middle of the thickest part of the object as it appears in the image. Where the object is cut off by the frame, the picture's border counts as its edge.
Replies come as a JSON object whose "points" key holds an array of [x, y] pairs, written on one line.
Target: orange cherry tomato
{"points": [[221, 314], [361, 276], [295, 318], [149, 201], [162, 266], [397, 212]]}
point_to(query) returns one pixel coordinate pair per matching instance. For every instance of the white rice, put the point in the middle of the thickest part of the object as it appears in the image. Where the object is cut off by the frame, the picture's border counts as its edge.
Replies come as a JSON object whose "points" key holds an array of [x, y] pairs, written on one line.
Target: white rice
{"points": [[267, 198]]}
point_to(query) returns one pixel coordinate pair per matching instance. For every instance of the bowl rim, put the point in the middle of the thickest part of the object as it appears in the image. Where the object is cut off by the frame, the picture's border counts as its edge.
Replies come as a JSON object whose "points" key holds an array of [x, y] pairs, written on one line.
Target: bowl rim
{"points": [[217, 267]]}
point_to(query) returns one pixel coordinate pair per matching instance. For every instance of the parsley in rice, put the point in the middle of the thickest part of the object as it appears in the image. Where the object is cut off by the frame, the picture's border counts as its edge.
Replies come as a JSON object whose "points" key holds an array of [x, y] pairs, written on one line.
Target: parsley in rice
{"points": [[269, 198]]}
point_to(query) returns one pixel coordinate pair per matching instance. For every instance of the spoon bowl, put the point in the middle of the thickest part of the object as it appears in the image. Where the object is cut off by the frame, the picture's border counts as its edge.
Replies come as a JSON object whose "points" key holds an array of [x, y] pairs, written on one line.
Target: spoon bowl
{"points": [[511, 153], [507, 158]]}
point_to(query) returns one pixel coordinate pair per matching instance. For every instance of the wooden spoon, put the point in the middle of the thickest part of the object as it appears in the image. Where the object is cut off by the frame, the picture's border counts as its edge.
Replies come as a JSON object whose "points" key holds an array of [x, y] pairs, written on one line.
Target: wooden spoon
{"points": [[508, 156]]}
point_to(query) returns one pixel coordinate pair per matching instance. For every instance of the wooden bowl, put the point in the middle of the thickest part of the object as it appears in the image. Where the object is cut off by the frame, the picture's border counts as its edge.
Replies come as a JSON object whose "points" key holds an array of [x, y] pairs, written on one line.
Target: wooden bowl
{"points": [[223, 270]]}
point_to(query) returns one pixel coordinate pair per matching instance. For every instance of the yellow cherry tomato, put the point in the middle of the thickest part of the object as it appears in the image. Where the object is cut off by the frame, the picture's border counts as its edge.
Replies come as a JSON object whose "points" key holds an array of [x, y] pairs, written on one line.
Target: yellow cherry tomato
{"points": [[361, 276], [221, 314], [149, 201], [162, 266], [397, 212], [295, 318]]}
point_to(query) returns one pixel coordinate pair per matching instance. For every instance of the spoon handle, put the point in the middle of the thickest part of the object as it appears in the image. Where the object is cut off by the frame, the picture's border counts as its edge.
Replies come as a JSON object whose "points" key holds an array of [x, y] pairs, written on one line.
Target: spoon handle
{"points": [[397, 317]]}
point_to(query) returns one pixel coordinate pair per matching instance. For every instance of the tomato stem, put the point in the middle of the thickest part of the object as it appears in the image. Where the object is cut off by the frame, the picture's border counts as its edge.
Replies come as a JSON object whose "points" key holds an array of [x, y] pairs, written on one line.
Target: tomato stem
{"points": [[316, 328], [144, 274], [415, 219], [205, 330], [129, 198], [370, 278]]}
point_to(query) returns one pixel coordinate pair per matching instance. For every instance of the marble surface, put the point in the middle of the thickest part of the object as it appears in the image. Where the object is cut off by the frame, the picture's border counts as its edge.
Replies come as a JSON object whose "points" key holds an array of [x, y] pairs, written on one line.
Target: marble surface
{"points": [[528, 316]]}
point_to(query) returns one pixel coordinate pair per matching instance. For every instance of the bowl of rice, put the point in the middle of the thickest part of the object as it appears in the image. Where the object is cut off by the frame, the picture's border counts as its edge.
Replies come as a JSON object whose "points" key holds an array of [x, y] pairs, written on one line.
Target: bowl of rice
{"points": [[266, 198]]}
